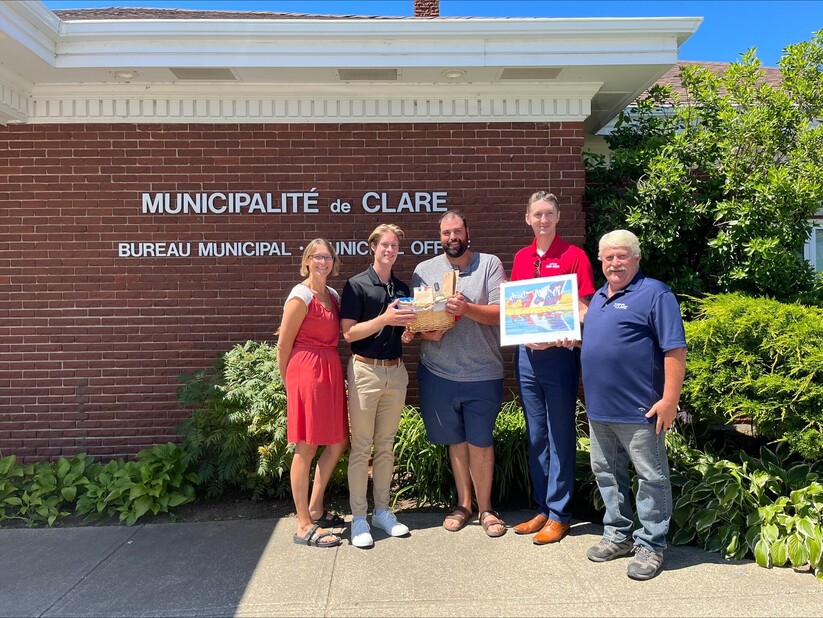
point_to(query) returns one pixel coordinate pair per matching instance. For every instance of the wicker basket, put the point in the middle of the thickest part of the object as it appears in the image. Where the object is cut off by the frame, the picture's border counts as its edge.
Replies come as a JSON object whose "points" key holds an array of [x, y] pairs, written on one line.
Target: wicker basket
{"points": [[431, 317]]}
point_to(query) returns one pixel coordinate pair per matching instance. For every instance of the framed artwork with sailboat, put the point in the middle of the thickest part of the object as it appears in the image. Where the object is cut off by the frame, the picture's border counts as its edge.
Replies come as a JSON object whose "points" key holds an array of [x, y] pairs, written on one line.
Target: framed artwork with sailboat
{"points": [[539, 310]]}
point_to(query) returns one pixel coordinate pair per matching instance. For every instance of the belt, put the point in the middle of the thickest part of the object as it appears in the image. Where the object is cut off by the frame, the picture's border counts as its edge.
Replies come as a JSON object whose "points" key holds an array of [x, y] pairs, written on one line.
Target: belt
{"points": [[377, 361]]}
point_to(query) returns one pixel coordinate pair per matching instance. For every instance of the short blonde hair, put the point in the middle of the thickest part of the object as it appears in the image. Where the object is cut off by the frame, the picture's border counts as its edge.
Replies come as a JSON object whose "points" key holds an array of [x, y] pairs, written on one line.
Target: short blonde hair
{"points": [[309, 251], [384, 228], [543, 196], [618, 238]]}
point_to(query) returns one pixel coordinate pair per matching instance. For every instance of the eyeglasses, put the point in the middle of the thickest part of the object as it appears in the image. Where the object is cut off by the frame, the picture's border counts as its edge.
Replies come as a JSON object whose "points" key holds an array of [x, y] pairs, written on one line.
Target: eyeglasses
{"points": [[537, 267], [390, 289], [322, 258]]}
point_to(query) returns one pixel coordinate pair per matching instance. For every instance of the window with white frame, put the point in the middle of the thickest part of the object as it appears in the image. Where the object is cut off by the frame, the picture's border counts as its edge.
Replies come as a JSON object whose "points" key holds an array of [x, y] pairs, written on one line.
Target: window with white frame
{"points": [[813, 250]]}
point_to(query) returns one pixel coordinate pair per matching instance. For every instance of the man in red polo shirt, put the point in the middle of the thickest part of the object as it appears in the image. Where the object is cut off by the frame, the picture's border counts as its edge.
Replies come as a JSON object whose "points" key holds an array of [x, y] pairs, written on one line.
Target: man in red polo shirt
{"points": [[548, 374]]}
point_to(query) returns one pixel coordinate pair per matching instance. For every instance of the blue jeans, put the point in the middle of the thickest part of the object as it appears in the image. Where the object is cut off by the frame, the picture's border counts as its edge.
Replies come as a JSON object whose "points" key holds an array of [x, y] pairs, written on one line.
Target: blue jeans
{"points": [[548, 381], [613, 445]]}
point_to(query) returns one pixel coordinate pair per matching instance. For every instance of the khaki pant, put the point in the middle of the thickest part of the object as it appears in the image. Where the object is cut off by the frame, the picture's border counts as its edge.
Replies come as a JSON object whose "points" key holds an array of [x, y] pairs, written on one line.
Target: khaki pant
{"points": [[376, 398]]}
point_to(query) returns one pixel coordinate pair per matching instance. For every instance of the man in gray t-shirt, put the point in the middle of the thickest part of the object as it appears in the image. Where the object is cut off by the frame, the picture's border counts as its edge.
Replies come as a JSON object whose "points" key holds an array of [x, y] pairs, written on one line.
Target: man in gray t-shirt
{"points": [[460, 373]]}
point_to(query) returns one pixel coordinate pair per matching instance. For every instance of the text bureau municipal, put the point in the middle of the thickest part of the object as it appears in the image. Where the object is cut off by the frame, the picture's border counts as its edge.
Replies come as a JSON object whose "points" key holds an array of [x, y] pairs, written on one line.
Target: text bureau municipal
{"points": [[202, 249]]}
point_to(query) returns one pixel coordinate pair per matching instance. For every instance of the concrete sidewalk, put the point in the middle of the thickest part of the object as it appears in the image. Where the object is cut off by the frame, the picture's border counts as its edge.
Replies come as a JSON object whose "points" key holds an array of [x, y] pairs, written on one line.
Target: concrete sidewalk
{"points": [[252, 568]]}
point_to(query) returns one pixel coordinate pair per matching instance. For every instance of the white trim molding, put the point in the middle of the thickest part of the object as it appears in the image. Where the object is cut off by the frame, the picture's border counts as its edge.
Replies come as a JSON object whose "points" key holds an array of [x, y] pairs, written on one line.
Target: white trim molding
{"points": [[289, 70], [309, 103], [15, 104], [223, 110]]}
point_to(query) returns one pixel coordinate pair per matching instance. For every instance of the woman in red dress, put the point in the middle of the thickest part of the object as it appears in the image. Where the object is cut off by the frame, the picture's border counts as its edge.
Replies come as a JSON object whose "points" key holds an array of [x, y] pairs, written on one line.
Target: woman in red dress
{"points": [[310, 365]]}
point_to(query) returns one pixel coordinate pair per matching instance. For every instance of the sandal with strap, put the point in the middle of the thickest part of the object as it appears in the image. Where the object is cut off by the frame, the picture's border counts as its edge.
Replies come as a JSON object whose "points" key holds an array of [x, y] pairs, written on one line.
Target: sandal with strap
{"points": [[313, 539], [330, 520], [460, 516], [491, 518]]}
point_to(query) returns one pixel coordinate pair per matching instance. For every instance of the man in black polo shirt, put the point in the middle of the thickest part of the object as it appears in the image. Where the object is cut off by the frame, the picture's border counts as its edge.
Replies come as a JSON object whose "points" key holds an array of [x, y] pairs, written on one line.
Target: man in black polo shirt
{"points": [[373, 324]]}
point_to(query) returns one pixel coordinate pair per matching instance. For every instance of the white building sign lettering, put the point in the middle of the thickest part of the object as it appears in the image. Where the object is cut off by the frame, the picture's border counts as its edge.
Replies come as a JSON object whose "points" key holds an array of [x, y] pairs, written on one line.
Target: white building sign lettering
{"points": [[295, 202]]}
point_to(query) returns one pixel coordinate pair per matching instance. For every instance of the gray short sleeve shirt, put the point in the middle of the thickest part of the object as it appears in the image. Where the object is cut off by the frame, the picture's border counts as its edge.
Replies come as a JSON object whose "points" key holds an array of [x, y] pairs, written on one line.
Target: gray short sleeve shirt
{"points": [[470, 351]]}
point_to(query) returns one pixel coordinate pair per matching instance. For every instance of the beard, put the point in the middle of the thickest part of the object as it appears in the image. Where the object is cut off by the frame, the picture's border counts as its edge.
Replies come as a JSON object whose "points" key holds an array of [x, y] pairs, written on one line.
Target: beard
{"points": [[456, 248]]}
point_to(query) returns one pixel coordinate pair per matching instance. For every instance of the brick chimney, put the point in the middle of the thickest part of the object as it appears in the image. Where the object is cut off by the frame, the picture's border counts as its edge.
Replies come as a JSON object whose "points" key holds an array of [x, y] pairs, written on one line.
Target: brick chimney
{"points": [[427, 8]]}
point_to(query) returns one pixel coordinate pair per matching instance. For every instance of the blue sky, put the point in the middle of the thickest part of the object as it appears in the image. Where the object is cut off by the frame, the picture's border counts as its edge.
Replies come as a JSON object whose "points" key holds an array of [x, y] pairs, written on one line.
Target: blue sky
{"points": [[728, 29]]}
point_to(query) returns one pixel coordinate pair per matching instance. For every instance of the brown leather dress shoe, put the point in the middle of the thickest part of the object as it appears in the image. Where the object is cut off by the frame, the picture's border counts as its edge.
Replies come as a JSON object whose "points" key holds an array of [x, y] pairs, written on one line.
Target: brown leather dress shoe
{"points": [[552, 532], [533, 525]]}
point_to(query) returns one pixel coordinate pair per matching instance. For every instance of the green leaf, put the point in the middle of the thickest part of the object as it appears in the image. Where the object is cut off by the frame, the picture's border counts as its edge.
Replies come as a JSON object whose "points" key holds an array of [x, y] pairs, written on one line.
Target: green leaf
{"points": [[815, 550], [176, 499], [769, 457], [682, 515], [806, 527], [798, 551], [761, 553], [683, 536], [770, 532], [798, 474], [137, 490], [730, 492], [69, 493], [713, 544], [705, 520], [733, 546], [754, 518], [778, 553], [6, 464], [141, 506]]}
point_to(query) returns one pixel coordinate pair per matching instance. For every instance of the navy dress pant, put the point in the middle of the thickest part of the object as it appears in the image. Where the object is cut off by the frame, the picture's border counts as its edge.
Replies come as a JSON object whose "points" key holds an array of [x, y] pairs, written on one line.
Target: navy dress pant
{"points": [[548, 381]]}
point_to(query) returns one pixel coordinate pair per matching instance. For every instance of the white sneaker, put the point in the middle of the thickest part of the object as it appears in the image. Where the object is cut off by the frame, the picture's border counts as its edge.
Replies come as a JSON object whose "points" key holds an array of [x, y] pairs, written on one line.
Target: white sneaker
{"points": [[386, 521], [360, 533]]}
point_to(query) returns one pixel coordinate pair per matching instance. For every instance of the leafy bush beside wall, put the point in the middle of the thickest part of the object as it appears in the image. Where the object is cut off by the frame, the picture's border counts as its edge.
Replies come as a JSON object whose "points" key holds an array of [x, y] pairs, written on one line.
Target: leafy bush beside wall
{"points": [[760, 359], [44, 492], [766, 507], [236, 436], [424, 472]]}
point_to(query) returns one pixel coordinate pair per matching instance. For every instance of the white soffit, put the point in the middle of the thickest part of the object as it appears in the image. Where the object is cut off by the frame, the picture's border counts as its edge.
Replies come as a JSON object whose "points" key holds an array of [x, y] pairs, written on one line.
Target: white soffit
{"points": [[291, 70]]}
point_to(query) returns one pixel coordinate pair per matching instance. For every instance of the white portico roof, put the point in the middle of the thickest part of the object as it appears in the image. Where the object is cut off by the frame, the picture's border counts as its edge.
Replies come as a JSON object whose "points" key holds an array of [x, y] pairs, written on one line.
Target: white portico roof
{"points": [[307, 69]]}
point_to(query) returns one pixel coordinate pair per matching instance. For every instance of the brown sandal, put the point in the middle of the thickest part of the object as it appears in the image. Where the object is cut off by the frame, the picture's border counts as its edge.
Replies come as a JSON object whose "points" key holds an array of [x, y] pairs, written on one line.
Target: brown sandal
{"points": [[484, 520], [460, 515]]}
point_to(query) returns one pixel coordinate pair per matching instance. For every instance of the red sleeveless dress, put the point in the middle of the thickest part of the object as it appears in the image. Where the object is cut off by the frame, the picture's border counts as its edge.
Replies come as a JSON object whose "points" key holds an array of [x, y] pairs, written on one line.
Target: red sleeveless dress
{"points": [[314, 379]]}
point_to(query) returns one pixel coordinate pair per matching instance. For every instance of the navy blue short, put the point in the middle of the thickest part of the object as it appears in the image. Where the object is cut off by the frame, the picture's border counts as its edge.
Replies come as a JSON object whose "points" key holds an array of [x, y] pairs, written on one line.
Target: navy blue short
{"points": [[457, 412]]}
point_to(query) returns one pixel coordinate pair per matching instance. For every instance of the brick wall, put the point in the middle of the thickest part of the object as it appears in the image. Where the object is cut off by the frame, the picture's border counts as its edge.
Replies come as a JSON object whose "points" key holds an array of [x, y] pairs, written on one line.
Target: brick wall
{"points": [[92, 343]]}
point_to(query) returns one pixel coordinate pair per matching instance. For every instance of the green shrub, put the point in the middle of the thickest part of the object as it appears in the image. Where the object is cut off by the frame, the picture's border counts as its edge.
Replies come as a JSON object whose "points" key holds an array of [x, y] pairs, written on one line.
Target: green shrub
{"points": [[49, 488], [760, 359], [512, 480], [11, 474], [236, 437], [423, 470], [766, 507], [43, 492], [101, 495], [156, 482], [719, 184]]}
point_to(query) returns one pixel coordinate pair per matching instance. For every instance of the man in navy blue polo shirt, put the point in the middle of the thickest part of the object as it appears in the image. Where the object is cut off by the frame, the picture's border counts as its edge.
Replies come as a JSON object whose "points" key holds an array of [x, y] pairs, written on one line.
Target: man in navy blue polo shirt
{"points": [[634, 362]]}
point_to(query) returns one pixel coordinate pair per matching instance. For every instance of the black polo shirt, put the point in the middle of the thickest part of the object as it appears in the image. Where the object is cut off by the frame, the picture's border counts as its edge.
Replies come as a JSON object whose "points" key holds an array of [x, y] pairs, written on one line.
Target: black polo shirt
{"points": [[364, 298]]}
